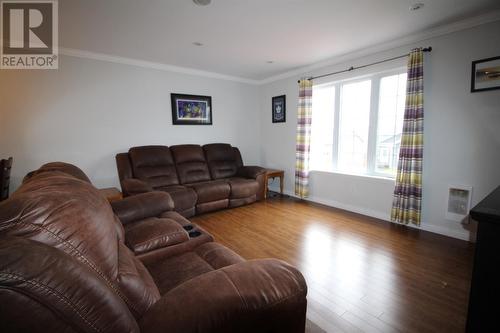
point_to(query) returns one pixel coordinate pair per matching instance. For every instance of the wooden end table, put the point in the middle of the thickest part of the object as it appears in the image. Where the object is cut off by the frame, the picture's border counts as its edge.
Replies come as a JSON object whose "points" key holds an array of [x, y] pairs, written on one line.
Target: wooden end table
{"points": [[273, 173], [111, 193]]}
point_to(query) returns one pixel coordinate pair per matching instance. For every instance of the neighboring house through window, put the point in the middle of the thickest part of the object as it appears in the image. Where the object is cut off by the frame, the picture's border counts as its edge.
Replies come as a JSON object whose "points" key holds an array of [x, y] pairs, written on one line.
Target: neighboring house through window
{"points": [[357, 124]]}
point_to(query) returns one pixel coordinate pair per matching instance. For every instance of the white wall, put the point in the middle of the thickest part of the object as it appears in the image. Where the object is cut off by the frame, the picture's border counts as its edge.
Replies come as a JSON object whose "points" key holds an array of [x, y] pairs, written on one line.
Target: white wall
{"points": [[462, 133], [89, 110]]}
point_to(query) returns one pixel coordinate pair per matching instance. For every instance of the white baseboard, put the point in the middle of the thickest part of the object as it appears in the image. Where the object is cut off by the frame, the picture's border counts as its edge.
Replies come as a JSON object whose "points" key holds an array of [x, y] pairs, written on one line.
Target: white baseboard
{"points": [[351, 208], [463, 235], [380, 215]]}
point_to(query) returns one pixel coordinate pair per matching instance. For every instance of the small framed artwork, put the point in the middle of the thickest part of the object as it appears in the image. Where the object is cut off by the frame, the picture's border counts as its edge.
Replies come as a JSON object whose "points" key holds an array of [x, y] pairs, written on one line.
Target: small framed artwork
{"points": [[279, 109], [485, 74], [191, 109]]}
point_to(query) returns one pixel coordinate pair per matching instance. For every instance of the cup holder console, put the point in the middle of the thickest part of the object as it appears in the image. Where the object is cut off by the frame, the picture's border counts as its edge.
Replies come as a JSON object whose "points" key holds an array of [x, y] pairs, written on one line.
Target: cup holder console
{"points": [[191, 229], [194, 234]]}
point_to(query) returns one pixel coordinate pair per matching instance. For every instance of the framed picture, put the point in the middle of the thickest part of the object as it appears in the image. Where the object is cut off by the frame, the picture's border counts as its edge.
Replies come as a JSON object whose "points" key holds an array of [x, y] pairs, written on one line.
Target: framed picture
{"points": [[485, 74], [191, 109], [279, 109]]}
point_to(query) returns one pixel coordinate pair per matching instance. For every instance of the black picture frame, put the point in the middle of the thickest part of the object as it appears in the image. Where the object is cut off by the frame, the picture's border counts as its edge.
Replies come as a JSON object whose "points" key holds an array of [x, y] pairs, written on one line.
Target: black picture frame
{"points": [[480, 77], [279, 109], [191, 109]]}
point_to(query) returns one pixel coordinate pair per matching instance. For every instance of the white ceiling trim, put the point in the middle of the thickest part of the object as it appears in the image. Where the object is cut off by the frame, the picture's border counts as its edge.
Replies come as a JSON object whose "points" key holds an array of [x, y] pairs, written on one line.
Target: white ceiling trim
{"points": [[414, 38], [152, 65], [410, 39]]}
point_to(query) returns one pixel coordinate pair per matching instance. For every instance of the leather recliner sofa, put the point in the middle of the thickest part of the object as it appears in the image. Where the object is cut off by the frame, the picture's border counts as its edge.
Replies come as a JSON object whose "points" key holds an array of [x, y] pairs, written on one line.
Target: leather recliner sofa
{"points": [[199, 179], [70, 262]]}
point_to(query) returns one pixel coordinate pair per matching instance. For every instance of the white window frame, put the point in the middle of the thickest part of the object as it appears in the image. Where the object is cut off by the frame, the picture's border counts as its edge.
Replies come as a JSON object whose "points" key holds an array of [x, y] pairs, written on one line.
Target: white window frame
{"points": [[373, 122]]}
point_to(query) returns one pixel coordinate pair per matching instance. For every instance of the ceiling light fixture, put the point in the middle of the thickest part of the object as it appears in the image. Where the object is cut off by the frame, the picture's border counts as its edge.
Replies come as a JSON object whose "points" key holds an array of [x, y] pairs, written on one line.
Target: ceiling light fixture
{"points": [[416, 6], [202, 2]]}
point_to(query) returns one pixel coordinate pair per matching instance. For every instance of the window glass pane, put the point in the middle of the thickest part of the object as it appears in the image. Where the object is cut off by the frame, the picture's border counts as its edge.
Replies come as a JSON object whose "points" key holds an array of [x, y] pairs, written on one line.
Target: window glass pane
{"points": [[323, 105], [390, 123], [354, 123]]}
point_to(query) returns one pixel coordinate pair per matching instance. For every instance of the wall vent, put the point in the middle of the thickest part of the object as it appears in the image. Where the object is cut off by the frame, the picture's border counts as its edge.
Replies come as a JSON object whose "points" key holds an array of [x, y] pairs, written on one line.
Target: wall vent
{"points": [[458, 203]]}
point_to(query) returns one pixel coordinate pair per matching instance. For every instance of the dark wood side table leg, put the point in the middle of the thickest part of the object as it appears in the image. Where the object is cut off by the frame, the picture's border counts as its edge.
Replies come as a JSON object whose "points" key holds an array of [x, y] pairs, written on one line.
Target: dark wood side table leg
{"points": [[266, 180], [281, 185]]}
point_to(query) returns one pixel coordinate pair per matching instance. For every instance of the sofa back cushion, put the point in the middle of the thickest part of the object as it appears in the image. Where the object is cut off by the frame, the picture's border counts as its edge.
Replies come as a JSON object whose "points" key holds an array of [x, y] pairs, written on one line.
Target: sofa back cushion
{"points": [[67, 168], [124, 166], [154, 165], [222, 160], [71, 215], [237, 156], [191, 164]]}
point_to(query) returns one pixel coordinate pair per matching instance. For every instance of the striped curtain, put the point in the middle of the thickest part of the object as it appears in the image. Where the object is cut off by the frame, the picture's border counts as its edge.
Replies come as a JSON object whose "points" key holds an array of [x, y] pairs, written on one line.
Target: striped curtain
{"points": [[407, 200], [302, 147]]}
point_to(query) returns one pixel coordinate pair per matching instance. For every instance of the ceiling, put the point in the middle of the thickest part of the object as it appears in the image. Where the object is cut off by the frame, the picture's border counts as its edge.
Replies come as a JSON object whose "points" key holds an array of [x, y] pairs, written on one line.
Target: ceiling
{"points": [[240, 36]]}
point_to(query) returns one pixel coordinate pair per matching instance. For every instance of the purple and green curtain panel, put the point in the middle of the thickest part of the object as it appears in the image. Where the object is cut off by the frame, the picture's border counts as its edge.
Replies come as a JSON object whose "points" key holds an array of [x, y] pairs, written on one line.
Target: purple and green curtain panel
{"points": [[302, 148], [406, 206]]}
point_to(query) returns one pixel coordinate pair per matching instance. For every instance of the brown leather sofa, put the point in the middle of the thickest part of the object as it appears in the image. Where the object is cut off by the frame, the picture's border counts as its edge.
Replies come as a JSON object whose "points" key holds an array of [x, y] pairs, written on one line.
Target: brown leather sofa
{"points": [[70, 262], [199, 179]]}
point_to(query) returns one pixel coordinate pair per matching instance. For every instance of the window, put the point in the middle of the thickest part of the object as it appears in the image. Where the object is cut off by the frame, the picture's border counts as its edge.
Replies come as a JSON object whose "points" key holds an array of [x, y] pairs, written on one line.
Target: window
{"points": [[357, 124], [322, 130], [354, 122]]}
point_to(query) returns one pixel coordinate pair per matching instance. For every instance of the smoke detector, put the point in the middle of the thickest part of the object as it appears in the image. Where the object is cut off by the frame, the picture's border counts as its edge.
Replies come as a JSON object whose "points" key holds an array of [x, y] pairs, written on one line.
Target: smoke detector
{"points": [[202, 2], [416, 6]]}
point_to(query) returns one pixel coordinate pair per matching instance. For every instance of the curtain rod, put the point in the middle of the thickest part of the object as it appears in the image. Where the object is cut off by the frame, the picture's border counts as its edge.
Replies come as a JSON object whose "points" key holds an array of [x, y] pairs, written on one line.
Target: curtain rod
{"points": [[426, 49]]}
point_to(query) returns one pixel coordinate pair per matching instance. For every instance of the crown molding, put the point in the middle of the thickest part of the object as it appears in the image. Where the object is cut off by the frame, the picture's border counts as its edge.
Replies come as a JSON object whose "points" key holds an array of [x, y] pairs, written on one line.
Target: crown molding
{"points": [[407, 40], [410, 39], [151, 65]]}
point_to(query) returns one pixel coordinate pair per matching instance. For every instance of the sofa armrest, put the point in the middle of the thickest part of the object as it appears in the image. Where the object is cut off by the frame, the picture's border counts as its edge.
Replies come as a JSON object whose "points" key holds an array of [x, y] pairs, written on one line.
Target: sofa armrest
{"points": [[142, 206], [131, 186], [257, 173], [254, 296], [250, 171], [154, 233]]}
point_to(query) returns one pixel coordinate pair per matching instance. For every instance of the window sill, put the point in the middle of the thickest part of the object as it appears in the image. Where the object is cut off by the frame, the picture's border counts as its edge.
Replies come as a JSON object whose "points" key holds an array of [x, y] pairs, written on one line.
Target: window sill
{"points": [[362, 175]]}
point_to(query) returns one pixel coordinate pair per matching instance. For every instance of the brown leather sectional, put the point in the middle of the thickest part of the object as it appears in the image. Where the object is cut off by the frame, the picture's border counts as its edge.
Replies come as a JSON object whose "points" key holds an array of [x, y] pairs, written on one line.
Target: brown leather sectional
{"points": [[71, 262], [199, 179]]}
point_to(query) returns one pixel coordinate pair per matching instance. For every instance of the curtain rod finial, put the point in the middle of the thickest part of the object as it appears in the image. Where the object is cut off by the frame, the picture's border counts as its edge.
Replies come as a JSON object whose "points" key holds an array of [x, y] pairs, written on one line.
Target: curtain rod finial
{"points": [[307, 78]]}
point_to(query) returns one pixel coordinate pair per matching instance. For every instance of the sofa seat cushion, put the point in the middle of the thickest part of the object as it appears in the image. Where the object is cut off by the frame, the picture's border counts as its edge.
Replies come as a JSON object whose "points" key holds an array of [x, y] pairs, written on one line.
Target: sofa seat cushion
{"points": [[184, 197], [211, 191], [233, 203], [173, 271], [154, 233], [242, 187], [211, 206]]}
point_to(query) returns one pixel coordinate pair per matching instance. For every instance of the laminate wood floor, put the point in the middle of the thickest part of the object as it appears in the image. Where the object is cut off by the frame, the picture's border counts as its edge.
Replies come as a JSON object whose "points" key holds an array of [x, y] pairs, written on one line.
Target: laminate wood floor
{"points": [[363, 274]]}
